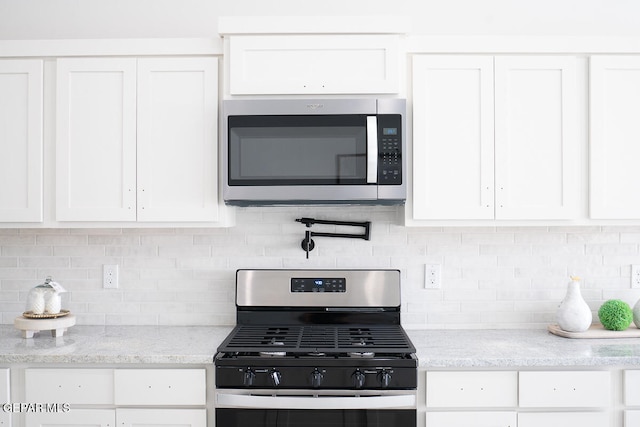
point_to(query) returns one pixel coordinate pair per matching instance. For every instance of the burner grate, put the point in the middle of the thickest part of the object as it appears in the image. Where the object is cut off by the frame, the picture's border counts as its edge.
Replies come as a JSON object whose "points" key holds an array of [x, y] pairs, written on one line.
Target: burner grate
{"points": [[318, 338]]}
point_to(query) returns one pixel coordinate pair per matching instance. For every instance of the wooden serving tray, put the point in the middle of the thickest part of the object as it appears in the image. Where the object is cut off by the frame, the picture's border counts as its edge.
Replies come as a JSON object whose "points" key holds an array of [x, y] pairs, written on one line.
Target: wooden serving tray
{"points": [[596, 331]]}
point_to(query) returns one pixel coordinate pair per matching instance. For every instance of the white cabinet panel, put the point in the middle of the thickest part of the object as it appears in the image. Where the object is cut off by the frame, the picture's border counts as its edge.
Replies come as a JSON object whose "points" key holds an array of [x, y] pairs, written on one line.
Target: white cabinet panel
{"points": [[177, 139], [74, 386], [161, 417], [631, 418], [453, 137], [313, 64], [160, 386], [137, 140], [614, 135], [96, 139], [5, 393], [72, 418], [472, 389], [471, 419], [632, 388], [495, 141], [21, 133], [5, 381], [570, 389], [564, 419], [537, 151]]}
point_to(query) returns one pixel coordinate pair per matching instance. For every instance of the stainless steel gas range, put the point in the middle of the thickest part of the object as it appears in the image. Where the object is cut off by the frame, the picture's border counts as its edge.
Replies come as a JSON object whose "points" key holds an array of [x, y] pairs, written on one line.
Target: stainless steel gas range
{"points": [[316, 348]]}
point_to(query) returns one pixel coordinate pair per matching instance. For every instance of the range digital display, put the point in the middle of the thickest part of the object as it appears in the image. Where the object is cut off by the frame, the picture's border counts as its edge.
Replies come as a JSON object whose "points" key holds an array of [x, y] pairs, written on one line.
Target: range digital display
{"points": [[307, 284]]}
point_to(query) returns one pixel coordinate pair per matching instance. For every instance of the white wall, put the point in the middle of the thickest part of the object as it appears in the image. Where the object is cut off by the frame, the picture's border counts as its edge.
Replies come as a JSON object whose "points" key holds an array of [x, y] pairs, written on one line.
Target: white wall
{"points": [[492, 277], [59, 19]]}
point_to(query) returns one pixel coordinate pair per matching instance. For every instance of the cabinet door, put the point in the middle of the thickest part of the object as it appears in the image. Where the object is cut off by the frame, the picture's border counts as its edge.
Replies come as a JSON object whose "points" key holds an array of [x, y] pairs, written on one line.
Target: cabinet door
{"points": [[632, 387], [631, 418], [160, 387], [537, 150], [313, 64], [177, 139], [472, 389], [161, 417], [453, 175], [471, 419], [74, 386], [564, 419], [72, 418], [614, 135], [21, 140], [96, 139], [568, 389]]}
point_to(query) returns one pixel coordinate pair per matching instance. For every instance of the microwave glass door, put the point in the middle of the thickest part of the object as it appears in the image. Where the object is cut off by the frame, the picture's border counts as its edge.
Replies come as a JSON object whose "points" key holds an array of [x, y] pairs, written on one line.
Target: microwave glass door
{"points": [[297, 150]]}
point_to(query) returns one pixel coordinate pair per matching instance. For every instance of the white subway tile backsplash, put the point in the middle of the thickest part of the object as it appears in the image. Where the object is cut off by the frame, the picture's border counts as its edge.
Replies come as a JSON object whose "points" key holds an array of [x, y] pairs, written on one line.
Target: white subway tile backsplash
{"points": [[501, 277]]}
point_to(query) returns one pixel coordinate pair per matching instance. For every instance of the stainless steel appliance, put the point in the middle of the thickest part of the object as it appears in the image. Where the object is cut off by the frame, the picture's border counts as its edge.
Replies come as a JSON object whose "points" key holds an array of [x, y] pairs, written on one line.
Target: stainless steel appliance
{"points": [[314, 151], [316, 348]]}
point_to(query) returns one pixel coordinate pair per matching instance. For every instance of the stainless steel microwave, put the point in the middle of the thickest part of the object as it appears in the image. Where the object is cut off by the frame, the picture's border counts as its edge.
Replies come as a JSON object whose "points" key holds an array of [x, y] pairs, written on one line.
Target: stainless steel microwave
{"points": [[314, 151]]}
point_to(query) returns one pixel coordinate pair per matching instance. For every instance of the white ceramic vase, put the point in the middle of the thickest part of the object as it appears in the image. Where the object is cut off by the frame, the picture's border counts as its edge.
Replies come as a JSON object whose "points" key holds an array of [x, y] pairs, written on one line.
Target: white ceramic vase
{"points": [[574, 315], [636, 314]]}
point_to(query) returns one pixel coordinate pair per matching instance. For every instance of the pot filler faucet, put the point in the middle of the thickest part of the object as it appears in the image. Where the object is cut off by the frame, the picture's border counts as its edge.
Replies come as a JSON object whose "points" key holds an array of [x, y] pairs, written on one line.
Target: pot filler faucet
{"points": [[308, 244]]}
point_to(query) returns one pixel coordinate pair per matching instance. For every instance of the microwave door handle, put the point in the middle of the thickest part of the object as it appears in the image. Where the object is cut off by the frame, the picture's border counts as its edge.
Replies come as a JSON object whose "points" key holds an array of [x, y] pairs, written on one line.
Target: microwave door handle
{"points": [[372, 149]]}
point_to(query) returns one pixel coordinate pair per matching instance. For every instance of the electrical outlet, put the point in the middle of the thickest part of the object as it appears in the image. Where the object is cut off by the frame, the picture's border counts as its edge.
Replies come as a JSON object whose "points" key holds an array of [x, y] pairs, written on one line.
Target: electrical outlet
{"points": [[432, 276], [110, 276], [635, 276]]}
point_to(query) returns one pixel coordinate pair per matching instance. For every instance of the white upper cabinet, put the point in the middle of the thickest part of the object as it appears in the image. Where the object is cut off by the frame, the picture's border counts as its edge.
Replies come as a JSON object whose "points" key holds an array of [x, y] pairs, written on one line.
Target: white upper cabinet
{"points": [[96, 139], [177, 139], [313, 64], [495, 138], [614, 137], [137, 140], [21, 140], [537, 150], [453, 137]]}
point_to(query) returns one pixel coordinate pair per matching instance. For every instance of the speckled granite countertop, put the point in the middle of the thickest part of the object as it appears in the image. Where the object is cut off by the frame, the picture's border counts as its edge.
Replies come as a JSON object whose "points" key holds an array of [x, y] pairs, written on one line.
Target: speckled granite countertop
{"points": [[500, 348]]}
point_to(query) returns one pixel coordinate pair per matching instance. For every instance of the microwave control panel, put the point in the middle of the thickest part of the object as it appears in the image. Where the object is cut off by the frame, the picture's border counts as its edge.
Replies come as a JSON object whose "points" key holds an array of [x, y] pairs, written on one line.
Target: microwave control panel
{"points": [[389, 149]]}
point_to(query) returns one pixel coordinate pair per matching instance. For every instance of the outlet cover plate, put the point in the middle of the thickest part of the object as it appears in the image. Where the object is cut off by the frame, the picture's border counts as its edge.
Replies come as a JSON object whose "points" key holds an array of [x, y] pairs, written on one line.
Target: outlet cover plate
{"points": [[432, 276], [110, 276]]}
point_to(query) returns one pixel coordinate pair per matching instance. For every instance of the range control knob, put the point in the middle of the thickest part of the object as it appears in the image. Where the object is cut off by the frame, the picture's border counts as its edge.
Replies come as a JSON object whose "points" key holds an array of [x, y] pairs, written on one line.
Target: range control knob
{"points": [[276, 376], [385, 378], [248, 377], [316, 378], [358, 378]]}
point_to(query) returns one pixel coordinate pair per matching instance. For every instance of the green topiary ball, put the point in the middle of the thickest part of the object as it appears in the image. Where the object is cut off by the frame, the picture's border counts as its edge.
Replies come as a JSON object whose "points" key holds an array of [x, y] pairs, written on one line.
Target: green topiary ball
{"points": [[615, 315]]}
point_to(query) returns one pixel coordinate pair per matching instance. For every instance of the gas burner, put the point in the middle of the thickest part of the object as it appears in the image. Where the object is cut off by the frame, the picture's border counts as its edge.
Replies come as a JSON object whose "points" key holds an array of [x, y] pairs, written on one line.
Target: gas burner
{"points": [[364, 354], [272, 353]]}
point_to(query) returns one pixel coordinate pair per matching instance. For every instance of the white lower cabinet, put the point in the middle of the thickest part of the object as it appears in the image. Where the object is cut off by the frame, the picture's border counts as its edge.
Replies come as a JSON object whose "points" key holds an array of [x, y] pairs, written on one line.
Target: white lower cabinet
{"points": [[73, 418], [161, 417], [142, 391], [527, 398], [5, 393], [565, 389], [564, 419], [631, 418], [120, 417], [472, 419], [467, 392], [472, 389]]}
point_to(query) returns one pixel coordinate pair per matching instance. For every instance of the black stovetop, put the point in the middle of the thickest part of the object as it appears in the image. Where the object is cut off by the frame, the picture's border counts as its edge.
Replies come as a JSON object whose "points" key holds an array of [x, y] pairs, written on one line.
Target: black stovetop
{"points": [[310, 339]]}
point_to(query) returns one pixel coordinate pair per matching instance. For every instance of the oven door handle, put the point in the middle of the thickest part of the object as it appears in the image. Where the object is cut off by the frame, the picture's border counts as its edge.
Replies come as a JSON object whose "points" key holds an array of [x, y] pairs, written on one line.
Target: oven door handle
{"points": [[315, 402], [372, 149]]}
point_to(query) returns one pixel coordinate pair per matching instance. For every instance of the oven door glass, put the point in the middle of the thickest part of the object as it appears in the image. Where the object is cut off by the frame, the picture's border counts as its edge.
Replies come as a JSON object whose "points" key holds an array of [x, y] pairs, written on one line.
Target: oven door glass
{"points": [[233, 417], [297, 150]]}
